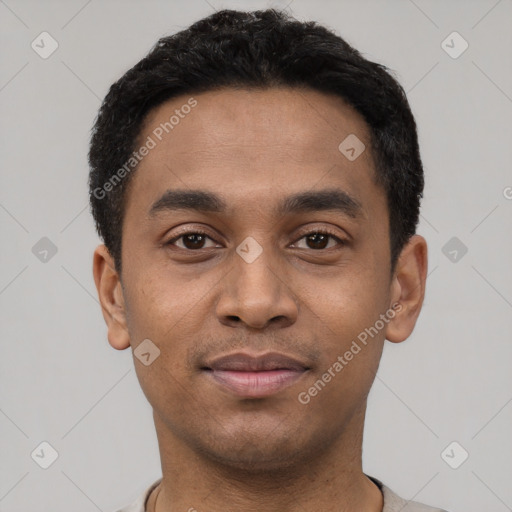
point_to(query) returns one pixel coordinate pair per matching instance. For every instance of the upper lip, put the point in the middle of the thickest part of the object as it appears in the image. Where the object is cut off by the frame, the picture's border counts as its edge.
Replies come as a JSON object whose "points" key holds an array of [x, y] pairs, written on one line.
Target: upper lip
{"points": [[244, 362]]}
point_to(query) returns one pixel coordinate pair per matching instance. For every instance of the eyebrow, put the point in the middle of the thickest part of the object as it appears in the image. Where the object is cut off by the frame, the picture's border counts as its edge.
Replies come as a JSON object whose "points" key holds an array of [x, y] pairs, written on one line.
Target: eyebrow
{"points": [[332, 199]]}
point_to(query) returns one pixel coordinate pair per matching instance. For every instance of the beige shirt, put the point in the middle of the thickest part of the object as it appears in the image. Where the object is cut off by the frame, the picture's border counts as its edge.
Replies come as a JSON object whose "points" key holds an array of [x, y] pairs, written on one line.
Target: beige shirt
{"points": [[392, 503]]}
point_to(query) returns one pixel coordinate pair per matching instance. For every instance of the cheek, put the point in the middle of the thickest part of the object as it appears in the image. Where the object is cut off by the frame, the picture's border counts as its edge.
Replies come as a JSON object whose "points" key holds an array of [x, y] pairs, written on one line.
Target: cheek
{"points": [[160, 311], [351, 351], [162, 302], [345, 313], [170, 310], [346, 303]]}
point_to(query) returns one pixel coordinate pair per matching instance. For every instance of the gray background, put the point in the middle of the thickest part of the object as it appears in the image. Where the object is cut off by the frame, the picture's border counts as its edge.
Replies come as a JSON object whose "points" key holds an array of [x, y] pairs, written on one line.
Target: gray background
{"points": [[61, 382]]}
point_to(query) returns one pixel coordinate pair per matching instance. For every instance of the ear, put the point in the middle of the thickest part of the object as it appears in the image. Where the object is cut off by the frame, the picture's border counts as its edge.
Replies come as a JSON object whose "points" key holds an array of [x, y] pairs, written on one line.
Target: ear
{"points": [[408, 289], [110, 292]]}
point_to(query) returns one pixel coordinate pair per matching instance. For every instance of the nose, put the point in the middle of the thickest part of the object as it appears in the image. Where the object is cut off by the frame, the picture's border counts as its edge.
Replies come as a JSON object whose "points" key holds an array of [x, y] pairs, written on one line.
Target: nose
{"points": [[256, 295]]}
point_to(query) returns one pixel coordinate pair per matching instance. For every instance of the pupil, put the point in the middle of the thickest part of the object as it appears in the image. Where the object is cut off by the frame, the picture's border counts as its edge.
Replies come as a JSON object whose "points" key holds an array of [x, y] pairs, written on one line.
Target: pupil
{"points": [[194, 240], [314, 239]]}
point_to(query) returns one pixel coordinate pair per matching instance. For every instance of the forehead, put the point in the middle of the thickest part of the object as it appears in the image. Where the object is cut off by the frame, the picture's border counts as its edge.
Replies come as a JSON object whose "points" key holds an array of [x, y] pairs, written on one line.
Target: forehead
{"points": [[251, 145]]}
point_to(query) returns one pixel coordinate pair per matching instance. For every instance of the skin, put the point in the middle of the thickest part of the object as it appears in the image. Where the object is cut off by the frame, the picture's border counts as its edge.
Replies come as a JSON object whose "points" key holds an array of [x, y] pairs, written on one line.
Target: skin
{"points": [[219, 451]]}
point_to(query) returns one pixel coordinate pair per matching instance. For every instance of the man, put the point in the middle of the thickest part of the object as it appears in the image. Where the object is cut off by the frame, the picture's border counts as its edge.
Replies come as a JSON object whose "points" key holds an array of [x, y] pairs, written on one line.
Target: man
{"points": [[257, 184]]}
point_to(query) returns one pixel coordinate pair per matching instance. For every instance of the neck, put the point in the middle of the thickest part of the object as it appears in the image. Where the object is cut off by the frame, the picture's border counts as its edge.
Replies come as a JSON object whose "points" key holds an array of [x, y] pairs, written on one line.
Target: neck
{"points": [[331, 481]]}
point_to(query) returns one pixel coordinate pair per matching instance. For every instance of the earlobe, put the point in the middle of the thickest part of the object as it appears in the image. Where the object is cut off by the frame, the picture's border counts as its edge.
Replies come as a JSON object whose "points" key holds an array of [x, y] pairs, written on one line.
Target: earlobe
{"points": [[408, 289], [110, 293]]}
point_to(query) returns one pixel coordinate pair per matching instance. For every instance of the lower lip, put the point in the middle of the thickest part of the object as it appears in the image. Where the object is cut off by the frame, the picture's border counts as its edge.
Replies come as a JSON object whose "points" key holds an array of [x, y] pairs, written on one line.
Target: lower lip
{"points": [[256, 384]]}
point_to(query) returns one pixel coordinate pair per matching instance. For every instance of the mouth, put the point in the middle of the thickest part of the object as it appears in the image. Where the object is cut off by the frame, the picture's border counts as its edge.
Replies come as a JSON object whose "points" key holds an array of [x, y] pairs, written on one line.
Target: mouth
{"points": [[251, 376]]}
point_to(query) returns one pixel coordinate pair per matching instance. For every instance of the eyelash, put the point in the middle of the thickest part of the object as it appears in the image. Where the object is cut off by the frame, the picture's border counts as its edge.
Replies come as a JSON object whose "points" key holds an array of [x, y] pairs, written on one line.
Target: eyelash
{"points": [[340, 241]]}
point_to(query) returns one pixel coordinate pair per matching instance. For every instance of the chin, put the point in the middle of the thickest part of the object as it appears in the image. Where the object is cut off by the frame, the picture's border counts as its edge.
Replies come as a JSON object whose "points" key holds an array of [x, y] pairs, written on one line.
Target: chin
{"points": [[258, 450], [256, 460]]}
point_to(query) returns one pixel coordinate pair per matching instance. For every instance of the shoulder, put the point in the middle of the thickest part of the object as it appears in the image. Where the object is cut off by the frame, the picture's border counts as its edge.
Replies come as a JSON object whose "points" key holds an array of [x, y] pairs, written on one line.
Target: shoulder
{"points": [[139, 505], [393, 502]]}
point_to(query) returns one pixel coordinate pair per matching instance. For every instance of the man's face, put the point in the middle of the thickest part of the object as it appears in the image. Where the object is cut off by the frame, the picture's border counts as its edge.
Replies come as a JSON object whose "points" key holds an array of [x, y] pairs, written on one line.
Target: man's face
{"points": [[305, 296]]}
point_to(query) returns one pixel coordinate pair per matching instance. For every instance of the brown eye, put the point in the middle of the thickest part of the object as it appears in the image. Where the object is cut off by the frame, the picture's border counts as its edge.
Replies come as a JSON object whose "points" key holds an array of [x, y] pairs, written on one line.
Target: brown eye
{"points": [[318, 240], [192, 241]]}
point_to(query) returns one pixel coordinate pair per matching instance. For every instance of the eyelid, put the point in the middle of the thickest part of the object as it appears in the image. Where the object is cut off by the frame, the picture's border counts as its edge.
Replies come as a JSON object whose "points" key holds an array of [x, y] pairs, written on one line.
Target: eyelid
{"points": [[190, 231], [199, 231], [323, 231]]}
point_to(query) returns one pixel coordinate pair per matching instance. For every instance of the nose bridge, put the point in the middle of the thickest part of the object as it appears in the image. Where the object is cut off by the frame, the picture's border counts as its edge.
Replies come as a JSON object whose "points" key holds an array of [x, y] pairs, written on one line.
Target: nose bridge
{"points": [[255, 291], [254, 271]]}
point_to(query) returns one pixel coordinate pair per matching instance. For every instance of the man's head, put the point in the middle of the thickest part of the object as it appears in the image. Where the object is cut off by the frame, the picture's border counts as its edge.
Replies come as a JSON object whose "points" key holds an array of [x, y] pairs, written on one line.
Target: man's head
{"points": [[255, 50], [248, 230]]}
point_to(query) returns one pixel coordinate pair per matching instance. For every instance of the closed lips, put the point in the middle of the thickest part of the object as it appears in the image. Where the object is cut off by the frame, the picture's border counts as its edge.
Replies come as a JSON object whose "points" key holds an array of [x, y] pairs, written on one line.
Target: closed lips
{"points": [[249, 376], [243, 362]]}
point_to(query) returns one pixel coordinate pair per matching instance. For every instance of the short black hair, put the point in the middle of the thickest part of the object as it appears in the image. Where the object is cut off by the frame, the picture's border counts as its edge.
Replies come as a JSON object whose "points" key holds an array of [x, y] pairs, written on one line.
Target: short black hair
{"points": [[259, 49]]}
